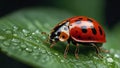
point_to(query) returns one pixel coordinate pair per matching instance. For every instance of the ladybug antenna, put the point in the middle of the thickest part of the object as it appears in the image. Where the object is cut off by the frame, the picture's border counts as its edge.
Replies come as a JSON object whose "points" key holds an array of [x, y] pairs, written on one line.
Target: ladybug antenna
{"points": [[44, 33]]}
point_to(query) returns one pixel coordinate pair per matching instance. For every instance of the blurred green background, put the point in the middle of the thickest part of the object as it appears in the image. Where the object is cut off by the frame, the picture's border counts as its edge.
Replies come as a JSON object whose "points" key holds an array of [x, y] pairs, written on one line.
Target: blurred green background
{"points": [[107, 12]]}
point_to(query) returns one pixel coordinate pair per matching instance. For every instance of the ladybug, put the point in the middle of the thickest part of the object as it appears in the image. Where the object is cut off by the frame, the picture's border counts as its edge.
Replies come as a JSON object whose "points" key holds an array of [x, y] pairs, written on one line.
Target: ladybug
{"points": [[78, 30]]}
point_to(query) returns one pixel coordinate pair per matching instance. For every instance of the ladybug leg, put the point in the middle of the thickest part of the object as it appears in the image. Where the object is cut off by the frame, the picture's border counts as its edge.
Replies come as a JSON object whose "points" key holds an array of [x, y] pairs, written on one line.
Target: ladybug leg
{"points": [[77, 51], [53, 44], [66, 50], [103, 50], [97, 50]]}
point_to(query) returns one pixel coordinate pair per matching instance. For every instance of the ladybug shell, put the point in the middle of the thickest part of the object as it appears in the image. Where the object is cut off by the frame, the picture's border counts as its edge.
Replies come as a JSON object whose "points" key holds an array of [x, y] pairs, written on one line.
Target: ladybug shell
{"points": [[84, 29]]}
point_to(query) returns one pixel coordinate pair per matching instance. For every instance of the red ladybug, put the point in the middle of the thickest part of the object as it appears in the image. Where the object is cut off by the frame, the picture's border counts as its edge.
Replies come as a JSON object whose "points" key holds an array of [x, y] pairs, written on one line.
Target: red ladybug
{"points": [[78, 30]]}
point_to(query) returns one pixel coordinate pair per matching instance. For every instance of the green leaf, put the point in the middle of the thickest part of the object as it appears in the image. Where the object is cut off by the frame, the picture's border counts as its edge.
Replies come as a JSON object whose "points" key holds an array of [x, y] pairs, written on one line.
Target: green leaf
{"points": [[21, 38]]}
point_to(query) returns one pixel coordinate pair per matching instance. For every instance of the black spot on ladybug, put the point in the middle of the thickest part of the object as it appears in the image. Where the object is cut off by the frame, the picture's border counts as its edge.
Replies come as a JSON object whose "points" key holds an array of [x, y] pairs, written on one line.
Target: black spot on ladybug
{"points": [[84, 29], [100, 30], [94, 31], [89, 20]]}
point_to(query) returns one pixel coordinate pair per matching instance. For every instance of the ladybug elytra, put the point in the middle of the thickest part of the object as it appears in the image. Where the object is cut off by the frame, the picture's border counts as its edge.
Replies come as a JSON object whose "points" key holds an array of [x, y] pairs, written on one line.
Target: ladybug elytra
{"points": [[78, 30]]}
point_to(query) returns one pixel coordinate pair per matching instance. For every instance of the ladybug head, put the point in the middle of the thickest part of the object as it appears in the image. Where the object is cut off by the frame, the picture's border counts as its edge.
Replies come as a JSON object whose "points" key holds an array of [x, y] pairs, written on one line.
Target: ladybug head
{"points": [[62, 36], [59, 33]]}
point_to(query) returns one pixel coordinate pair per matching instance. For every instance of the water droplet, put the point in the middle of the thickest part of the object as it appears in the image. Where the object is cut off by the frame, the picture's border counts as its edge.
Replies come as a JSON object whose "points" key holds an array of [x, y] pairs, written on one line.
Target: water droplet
{"points": [[109, 60], [30, 38], [15, 40], [107, 55], [56, 53], [15, 28], [2, 37], [43, 37], [112, 50], [35, 47], [23, 46], [14, 43], [49, 53], [116, 55], [95, 57], [58, 56], [8, 32], [39, 48], [62, 61], [35, 53], [25, 32], [89, 62], [6, 43], [33, 33], [14, 34], [43, 51], [37, 31], [28, 49], [78, 65], [37, 41]]}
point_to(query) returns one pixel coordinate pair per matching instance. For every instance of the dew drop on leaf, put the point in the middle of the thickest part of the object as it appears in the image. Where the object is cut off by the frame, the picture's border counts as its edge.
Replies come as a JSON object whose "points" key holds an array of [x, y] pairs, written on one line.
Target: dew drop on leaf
{"points": [[6, 43], [2, 37], [25, 32], [35, 47], [15, 28], [109, 60], [49, 53], [33, 33], [37, 31], [56, 53], [43, 51], [15, 40], [37, 41], [95, 57], [28, 49], [23, 46], [8, 32], [43, 37], [116, 56], [62, 61], [107, 55], [14, 34]]}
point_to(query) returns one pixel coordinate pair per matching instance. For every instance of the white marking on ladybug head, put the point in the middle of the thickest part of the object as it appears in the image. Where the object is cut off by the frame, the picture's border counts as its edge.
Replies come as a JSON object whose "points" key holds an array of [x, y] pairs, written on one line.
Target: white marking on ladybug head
{"points": [[63, 28], [64, 32], [61, 33]]}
